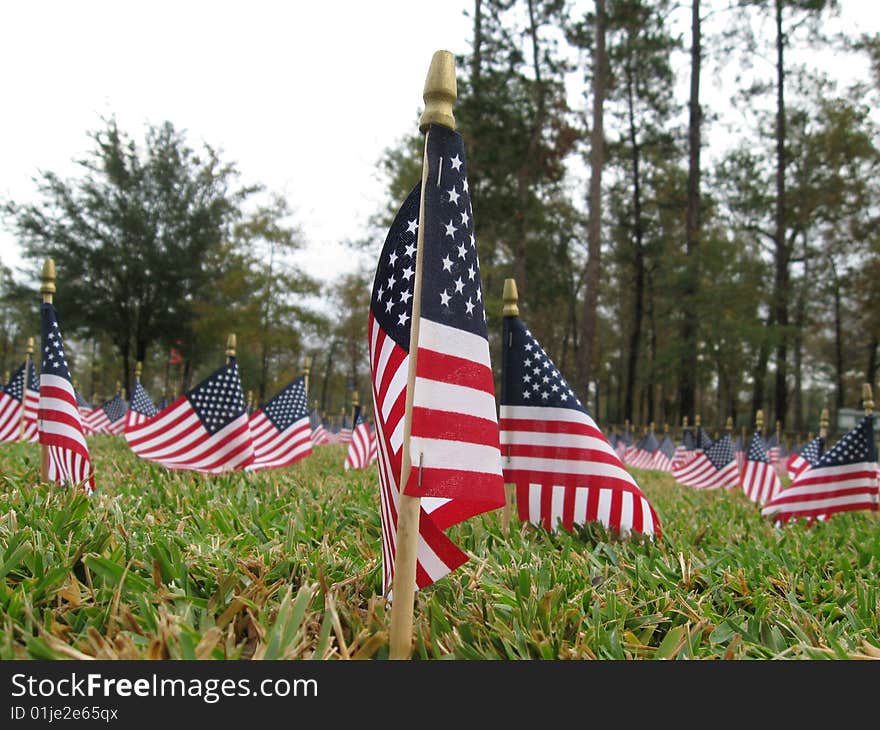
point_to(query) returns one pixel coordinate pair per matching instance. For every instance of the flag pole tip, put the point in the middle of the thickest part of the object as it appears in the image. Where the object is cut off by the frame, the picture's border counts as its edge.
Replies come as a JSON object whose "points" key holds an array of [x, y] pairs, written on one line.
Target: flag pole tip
{"points": [[759, 419], [440, 92], [230, 346], [47, 288], [138, 369], [510, 297], [867, 399], [30, 346]]}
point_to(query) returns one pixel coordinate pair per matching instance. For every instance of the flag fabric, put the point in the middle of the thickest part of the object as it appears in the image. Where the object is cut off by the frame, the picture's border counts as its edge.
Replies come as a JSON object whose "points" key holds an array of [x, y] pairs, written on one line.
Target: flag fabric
{"points": [[805, 458], [20, 403], [162, 403], [374, 446], [739, 453], [759, 479], [108, 418], [704, 441], [643, 458], [205, 430], [844, 479], [358, 455], [141, 408], [714, 468], [60, 427], [686, 450], [454, 447], [320, 435], [565, 471], [343, 433], [281, 428], [664, 455]]}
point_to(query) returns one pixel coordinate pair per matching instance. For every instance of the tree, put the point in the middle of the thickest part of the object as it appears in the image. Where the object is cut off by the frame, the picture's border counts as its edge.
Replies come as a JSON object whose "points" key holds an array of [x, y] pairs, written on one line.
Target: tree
{"points": [[132, 236]]}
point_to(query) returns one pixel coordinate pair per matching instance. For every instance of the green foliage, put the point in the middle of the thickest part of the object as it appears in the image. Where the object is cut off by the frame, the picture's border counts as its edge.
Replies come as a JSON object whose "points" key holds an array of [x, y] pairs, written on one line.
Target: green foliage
{"points": [[285, 564]]}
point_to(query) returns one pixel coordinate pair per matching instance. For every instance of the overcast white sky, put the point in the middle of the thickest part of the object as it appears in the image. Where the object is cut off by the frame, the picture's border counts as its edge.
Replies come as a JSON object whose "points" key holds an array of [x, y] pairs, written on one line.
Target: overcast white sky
{"points": [[303, 96]]}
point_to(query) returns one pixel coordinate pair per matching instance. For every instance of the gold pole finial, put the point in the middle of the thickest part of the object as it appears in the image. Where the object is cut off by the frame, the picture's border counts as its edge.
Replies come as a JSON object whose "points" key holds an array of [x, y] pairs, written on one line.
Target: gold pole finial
{"points": [[6, 376], [47, 289], [684, 422], [118, 386], [651, 427], [823, 423], [440, 92], [138, 369], [697, 420], [867, 399], [510, 298], [354, 399], [230, 347], [250, 399], [307, 365], [729, 424], [30, 346], [665, 428], [759, 420]]}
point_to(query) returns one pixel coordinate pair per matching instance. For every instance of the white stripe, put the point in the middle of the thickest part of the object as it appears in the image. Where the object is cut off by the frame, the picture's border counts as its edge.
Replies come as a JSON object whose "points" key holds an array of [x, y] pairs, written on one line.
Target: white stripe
{"points": [[566, 440], [453, 341], [820, 503], [457, 455], [647, 517], [384, 355], [580, 505], [164, 442], [169, 415], [626, 513], [458, 399], [557, 503], [569, 466], [539, 413], [535, 503], [604, 511]]}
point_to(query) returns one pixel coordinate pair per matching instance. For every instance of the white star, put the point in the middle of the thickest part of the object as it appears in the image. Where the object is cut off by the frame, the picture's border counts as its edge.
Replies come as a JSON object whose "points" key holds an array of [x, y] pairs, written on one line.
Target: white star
{"points": [[471, 273], [464, 185], [465, 218], [447, 264], [479, 294], [564, 396], [405, 297], [473, 241], [469, 305], [462, 251], [455, 162], [450, 229], [392, 258], [413, 225], [402, 317], [410, 250], [444, 298], [391, 283], [459, 285], [453, 196], [408, 272], [526, 394], [527, 378], [388, 305], [380, 293]]}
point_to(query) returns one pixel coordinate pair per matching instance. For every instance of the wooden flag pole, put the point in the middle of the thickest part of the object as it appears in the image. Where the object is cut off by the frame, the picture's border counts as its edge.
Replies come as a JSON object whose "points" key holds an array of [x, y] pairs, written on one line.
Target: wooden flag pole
{"points": [[230, 348], [439, 95], [867, 399], [307, 366], [29, 356], [138, 369], [510, 298], [759, 422], [823, 423], [250, 400], [47, 289], [729, 425]]}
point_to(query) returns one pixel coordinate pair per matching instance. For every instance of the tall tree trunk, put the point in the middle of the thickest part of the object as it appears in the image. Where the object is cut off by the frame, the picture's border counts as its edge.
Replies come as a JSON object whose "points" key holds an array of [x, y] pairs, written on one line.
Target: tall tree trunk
{"points": [[638, 287], [593, 268], [800, 324], [871, 370], [783, 252], [759, 374], [690, 322], [838, 340], [652, 351]]}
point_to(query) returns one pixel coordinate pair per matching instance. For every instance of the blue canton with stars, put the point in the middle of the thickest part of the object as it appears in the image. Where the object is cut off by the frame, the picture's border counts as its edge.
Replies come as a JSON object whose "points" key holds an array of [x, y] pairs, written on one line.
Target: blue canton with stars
{"points": [[667, 448], [218, 400], [358, 416], [688, 440], [649, 442], [452, 293], [15, 387], [757, 449], [80, 401], [395, 272], [288, 406], [721, 452], [528, 375], [703, 440], [33, 380], [140, 401], [812, 451], [856, 446], [53, 362], [115, 408]]}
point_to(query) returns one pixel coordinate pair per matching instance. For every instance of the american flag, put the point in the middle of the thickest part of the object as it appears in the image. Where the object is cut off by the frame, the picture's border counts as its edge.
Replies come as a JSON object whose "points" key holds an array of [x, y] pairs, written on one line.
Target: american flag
{"points": [[358, 455], [162, 404], [686, 450], [141, 408], [205, 430], [281, 429], [565, 471], [759, 480], [643, 458], [59, 420], [714, 468], [664, 455], [343, 434], [805, 458], [704, 441], [774, 448], [739, 453], [20, 399], [844, 479], [319, 433], [456, 462], [108, 418]]}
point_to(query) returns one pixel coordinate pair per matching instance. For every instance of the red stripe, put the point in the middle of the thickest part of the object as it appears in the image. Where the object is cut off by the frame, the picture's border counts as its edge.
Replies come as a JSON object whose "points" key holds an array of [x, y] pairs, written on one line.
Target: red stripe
{"points": [[444, 368], [428, 423]]}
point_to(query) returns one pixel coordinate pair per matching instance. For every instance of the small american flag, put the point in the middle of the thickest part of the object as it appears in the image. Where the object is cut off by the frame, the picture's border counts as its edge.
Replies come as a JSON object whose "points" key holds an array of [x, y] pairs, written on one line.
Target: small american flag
{"points": [[564, 469], [643, 458], [664, 455], [343, 434], [205, 430], [141, 408], [358, 455], [20, 399], [714, 468], [320, 434], [60, 426], [704, 441], [108, 418], [759, 480], [686, 450], [456, 463], [805, 458], [843, 480], [281, 429]]}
